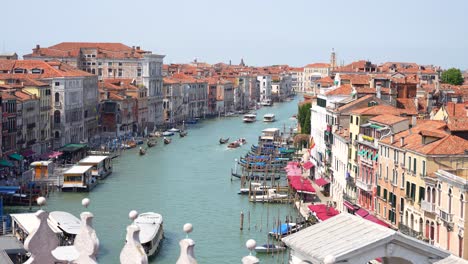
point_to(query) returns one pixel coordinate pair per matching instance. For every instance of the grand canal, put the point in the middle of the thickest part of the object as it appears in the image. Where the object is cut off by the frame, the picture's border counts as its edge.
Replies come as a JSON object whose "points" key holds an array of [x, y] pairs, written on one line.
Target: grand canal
{"points": [[186, 181]]}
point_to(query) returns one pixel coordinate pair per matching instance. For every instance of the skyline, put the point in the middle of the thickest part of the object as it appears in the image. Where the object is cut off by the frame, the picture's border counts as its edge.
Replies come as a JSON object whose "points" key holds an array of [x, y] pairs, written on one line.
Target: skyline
{"points": [[294, 33]]}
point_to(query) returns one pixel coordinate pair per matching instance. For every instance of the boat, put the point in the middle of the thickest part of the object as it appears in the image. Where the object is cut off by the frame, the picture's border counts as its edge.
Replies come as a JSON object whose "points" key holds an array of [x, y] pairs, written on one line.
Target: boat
{"points": [[241, 141], [139, 141], [234, 144], [268, 177], [284, 230], [191, 121], [68, 224], [269, 248], [250, 118], [270, 196], [167, 133], [174, 130], [269, 118], [183, 133], [151, 143], [79, 178], [255, 188], [142, 151], [167, 140], [102, 165], [151, 231], [132, 144], [223, 140], [266, 102]]}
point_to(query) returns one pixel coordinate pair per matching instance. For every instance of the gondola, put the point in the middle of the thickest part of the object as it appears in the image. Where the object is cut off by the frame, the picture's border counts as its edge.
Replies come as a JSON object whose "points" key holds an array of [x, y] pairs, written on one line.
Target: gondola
{"points": [[167, 140], [151, 143], [183, 133], [223, 140], [142, 151]]}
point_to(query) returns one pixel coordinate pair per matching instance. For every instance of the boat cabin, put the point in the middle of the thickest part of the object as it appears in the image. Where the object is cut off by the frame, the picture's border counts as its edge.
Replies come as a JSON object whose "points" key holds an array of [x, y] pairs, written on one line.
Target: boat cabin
{"points": [[67, 223], [249, 118], [23, 224], [270, 135], [102, 165], [269, 118], [42, 170], [151, 231], [78, 178]]}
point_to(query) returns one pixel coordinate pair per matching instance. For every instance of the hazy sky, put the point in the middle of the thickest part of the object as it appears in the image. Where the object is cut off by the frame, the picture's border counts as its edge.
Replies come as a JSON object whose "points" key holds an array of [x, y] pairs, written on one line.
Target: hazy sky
{"points": [[263, 32]]}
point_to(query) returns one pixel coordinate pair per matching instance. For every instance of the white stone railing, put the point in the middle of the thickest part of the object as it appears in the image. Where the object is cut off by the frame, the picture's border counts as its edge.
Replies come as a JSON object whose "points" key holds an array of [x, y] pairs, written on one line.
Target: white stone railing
{"points": [[43, 244]]}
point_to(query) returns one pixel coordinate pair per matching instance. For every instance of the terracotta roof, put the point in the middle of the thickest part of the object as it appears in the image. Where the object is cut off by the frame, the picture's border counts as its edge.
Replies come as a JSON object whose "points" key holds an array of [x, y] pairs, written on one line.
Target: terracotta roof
{"points": [[326, 79], [388, 119], [458, 124], [7, 96], [344, 89], [408, 106], [24, 96], [118, 84], [46, 69], [377, 110], [456, 110], [432, 133], [344, 133], [356, 79], [318, 65]]}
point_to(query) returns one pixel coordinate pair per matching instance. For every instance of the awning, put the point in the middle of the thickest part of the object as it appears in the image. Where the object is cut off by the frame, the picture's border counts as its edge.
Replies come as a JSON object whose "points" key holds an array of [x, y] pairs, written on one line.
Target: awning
{"points": [[375, 126], [321, 182], [348, 205], [5, 163], [16, 156], [28, 153], [376, 220], [308, 165], [300, 184], [322, 211], [51, 155], [362, 213], [375, 157], [72, 147]]}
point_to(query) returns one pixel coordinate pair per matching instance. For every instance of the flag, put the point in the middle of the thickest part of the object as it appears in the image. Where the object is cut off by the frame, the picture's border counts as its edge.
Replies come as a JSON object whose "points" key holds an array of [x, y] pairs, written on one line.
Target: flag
{"points": [[311, 144]]}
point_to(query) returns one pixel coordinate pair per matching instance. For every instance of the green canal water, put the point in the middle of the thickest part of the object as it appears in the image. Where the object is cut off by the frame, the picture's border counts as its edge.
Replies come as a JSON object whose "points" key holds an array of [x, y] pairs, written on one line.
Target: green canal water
{"points": [[186, 181]]}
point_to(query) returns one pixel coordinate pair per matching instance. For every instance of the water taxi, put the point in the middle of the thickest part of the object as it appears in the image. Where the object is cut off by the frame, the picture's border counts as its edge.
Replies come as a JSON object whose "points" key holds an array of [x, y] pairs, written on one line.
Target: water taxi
{"points": [[151, 231], [270, 196], [266, 102], [250, 118], [79, 178], [42, 170], [269, 118], [102, 165], [270, 135]]}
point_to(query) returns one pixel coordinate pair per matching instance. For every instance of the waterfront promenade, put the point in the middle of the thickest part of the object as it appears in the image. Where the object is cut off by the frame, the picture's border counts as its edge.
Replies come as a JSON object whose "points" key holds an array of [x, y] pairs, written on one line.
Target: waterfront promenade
{"points": [[186, 181]]}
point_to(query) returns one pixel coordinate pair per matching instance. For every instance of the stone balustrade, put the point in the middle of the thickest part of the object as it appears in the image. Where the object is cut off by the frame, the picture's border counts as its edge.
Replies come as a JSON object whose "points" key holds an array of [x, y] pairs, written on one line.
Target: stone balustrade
{"points": [[43, 244]]}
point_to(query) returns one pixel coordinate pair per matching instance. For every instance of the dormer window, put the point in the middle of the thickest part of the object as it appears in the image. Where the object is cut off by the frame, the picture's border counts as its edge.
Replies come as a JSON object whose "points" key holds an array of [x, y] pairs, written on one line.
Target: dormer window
{"points": [[19, 70], [37, 71]]}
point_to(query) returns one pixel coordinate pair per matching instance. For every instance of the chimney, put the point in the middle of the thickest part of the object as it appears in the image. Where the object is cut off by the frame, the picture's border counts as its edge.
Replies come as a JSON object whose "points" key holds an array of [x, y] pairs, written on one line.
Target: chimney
{"points": [[392, 139], [138, 47], [36, 50], [133, 47], [402, 141]]}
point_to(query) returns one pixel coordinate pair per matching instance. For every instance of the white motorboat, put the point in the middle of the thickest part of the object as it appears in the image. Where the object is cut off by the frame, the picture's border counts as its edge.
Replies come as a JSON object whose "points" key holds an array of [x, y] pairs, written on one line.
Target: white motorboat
{"points": [[174, 130], [266, 102], [67, 223], [269, 248], [151, 231], [270, 196], [269, 118], [167, 133], [256, 188], [250, 118]]}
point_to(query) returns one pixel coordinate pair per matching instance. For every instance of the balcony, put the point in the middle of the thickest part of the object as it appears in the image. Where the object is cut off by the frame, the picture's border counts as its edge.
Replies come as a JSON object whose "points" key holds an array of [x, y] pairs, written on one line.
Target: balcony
{"points": [[402, 165], [446, 217], [58, 126], [31, 126], [363, 186], [409, 232], [427, 206], [45, 108], [58, 104], [31, 142]]}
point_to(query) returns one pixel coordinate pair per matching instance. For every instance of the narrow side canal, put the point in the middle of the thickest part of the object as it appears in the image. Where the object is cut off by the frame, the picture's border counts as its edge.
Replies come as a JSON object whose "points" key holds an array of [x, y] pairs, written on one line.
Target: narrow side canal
{"points": [[186, 181]]}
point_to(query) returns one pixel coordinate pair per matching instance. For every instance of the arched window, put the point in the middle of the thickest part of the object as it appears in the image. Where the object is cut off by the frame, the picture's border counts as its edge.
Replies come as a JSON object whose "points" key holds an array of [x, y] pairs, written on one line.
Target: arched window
{"points": [[450, 201], [433, 195], [57, 97], [412, 222], [439, 190], [428, 194], [57, 117], [57, 134], [462, 206]]}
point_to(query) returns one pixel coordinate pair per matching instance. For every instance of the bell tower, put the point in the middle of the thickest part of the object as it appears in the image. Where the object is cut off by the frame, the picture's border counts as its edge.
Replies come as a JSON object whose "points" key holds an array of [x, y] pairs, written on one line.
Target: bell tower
{"points": [[333, 59]]}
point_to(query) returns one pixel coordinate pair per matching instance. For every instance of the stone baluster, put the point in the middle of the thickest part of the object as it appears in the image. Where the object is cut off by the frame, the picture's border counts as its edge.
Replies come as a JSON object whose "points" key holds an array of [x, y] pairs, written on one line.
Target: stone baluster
{"points": [[86, 241], [42, 240], [187, 254], [250, 259], [329, 259], [133, 252]]}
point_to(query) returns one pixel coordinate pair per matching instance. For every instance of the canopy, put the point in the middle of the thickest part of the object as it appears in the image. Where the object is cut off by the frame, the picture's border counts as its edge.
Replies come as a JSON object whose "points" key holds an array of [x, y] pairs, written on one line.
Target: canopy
{"points": [[28, 153], [322, 211], [348, 205], [5, 163], [16, 156], [362, 213], [51, 155], [294, 172], [308, 165], [72, 147], [375, 126], [321, 182], [375, 157], [284, 228], [301, 185]]}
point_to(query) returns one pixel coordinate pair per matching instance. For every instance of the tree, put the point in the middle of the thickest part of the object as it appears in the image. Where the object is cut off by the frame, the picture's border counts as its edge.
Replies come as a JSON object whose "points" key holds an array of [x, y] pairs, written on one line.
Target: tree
{"points": [[303, 114], [306, 128], [452, 76]]}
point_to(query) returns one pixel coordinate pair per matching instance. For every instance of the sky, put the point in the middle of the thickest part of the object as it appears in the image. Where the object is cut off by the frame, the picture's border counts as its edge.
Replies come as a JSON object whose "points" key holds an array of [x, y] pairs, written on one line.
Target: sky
{"points": [[262, 32]]}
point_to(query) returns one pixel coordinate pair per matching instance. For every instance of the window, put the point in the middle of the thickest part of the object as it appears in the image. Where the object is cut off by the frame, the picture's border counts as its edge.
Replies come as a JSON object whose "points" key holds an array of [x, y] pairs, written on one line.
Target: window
{"points": [[139, 72], [413, 192], [47, 92], [409, 163], [384, 194], [450, 201], [109, 63], [57, 117], [120, 63], [357, 120], [462, 206], [36, 71], [414, 165], [99, 72], [408, 189], [351, 121], [378, 190], [57, 97], [402, 180], [120, 72], [402, 204], [422, 191], [57, 83], [439, 191], [423, 169]]}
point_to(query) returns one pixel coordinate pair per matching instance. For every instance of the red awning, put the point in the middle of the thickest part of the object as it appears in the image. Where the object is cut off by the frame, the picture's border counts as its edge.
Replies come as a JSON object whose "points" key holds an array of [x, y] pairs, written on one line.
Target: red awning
{"points": [[376, 220], [51, 155], [322, 212], [28, 153], [362, 213], [300, 184], [348, 205], [308, 165], [295, 171], [321, 182]]}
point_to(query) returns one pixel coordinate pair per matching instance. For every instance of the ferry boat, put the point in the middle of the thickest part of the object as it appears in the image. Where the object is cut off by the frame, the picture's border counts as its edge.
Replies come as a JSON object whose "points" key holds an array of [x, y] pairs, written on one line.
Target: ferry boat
{"points": [[266, 102], [250, 118], [102, 165], [269, 118], [167, 133], [270, 196], [79, 178], [151, 231]]}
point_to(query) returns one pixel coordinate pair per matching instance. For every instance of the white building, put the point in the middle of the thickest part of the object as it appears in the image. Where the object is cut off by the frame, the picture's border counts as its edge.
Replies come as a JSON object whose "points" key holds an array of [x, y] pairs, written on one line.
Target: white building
{"points": [[264, 86], [340, 157], [313, 72]]}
